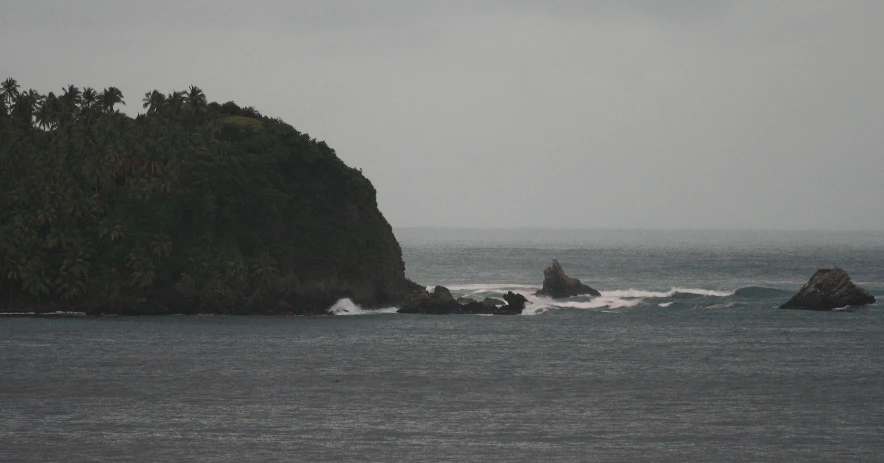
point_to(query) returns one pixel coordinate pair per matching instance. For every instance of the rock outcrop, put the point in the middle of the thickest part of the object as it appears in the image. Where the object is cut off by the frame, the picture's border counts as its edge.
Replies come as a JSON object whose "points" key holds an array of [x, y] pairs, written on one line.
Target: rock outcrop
{"points": [[829, 289], [441, 302], [557, 285], [515, 303], [263, 219]]}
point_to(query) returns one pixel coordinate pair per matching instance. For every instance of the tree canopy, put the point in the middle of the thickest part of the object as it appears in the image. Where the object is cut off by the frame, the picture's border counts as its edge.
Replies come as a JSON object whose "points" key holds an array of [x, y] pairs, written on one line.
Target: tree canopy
{"points": [[191, 203]]}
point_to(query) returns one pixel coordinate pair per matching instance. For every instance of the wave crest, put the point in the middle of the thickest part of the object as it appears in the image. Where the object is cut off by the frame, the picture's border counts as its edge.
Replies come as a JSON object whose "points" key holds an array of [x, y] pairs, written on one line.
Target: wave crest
{"points": [[662, 294], [348, 307]]}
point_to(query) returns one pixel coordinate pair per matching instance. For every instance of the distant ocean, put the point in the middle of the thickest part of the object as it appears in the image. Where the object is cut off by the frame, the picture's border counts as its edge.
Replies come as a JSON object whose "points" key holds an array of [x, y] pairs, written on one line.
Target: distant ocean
{"points": [[684, 357]]}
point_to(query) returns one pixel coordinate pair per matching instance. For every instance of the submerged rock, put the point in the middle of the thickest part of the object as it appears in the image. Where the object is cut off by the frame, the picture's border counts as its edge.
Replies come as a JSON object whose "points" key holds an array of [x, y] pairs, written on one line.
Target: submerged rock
{"points": [[557, 285], [440, 302], [829, 289]]}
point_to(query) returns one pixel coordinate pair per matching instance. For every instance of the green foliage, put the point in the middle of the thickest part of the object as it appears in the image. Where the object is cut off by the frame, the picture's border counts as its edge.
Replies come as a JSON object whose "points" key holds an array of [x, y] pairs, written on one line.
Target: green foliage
{"points": [[214, 204], [243, 123]]}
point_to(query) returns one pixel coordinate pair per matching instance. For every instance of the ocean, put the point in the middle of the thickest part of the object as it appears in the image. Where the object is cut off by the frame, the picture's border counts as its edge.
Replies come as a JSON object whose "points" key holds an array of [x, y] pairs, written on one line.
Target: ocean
{"points": [[684, 357]]}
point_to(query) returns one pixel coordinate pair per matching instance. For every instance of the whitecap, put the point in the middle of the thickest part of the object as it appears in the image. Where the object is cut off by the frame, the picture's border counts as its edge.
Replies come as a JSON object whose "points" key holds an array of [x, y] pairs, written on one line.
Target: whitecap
{"points": [[662, 294], [534, 309], [665, 304], [348, 307], [610, 302], [490, 288]]}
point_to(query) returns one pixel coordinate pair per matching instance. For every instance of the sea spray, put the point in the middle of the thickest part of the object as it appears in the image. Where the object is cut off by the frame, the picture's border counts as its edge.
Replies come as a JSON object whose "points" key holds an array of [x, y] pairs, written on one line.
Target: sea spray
{"points": [[348, 307]]}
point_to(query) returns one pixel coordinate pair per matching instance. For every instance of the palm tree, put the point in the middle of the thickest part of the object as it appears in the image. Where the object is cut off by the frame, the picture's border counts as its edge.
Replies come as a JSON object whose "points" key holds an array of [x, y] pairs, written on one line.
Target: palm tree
{"points": [[109, 97], [72, 94], [89, 98], [153, 101], [70, 99], [196, 101], [9, 91], [25, 106], [47, 115], [175, 101]]}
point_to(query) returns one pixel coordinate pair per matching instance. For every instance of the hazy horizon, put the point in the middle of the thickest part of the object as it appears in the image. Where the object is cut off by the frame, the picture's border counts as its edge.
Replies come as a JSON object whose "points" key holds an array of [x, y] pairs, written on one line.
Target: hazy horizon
{"points": [[542, 228], [513, 114]]}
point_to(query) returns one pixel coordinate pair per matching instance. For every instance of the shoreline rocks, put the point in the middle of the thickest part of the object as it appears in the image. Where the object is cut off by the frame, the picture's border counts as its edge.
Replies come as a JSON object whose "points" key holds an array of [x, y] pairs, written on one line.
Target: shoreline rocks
{"points": [[441, 302], [558, 285], [829, 289]]}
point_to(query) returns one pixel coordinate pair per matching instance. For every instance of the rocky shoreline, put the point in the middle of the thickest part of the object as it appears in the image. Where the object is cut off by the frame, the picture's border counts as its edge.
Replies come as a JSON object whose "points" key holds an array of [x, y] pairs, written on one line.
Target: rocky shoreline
{"points": [[827, 289]]}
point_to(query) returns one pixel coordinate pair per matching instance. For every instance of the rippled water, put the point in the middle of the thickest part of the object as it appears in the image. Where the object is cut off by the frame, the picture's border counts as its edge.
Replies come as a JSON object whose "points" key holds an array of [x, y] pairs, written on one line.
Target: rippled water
{"points": [[710, 377]]}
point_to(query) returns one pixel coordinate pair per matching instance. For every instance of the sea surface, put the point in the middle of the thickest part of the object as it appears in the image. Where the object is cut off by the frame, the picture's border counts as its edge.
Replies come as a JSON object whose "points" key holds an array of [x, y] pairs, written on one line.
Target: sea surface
{"points": [[684, 357]]}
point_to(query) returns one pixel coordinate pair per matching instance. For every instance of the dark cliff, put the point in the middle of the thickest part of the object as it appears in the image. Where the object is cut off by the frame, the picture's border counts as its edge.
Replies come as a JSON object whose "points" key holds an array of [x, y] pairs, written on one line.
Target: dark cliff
{"points": [[193, 207]]}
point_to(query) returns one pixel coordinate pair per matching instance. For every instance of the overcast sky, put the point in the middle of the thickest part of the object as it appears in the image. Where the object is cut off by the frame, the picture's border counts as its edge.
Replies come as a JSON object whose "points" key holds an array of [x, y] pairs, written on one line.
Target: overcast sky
{"points": [[577, 114]]}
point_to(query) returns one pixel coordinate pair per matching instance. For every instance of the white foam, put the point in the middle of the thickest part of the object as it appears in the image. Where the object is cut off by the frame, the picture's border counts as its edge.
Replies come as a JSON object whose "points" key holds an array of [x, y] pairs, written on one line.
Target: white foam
{"points": [[490, 286], [482, 288], [613, 299], [662, 294], [348, 307], [600, 302], [610, 302], [534, 309]]}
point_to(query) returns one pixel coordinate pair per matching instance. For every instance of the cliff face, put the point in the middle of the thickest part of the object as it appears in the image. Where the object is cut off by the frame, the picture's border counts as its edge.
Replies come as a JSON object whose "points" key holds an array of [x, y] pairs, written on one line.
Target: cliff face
{"points": [[366, 264], [193, 207]]}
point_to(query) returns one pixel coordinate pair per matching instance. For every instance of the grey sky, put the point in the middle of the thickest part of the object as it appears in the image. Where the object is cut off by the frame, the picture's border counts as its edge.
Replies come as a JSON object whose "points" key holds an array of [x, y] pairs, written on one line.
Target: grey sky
{"points": [[669, 114]]}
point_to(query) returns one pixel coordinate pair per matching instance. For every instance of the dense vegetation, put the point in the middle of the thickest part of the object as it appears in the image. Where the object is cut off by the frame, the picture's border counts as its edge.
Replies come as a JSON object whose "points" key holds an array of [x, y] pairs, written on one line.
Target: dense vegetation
{"points": [[190, 207]]}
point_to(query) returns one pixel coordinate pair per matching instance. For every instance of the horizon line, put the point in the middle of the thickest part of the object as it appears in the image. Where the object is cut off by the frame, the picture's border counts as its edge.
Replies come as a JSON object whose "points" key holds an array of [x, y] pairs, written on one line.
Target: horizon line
{"points": [[547, 228]]}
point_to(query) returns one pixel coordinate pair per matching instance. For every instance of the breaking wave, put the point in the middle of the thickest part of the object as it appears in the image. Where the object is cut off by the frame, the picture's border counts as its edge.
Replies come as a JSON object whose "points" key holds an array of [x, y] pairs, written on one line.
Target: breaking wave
{"points": [[671, 293], [348, 307], [534, 309], [601, 302], [490, 288], [609, 299]]}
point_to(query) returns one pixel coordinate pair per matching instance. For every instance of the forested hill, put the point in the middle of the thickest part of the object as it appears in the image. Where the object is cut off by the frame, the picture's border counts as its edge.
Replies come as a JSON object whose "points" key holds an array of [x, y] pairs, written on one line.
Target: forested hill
{"points": [[191, 207]]}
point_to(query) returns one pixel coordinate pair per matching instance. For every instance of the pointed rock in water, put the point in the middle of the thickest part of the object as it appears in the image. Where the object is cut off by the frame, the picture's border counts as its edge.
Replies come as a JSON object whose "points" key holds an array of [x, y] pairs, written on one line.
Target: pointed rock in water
{"points": [[827, 289], [557, 285]]}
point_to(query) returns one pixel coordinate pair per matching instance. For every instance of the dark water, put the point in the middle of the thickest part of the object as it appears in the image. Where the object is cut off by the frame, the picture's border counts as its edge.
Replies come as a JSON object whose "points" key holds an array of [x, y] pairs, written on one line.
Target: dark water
{"points": [[716, 375]]}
